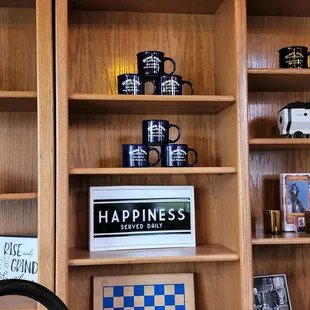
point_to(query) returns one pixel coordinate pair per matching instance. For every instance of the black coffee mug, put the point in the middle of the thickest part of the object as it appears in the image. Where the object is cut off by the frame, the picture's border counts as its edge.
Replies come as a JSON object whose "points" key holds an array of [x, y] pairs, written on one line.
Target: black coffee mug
{"points": [[176, 155], [294, 57], [172, 85], [137, 155], [133, 84], [152, 64], [156, 132]]}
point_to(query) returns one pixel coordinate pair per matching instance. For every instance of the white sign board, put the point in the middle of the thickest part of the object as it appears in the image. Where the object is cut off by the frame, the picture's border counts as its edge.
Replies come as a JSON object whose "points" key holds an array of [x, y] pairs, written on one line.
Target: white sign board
{"points": [[137, 217], [18, 258]]}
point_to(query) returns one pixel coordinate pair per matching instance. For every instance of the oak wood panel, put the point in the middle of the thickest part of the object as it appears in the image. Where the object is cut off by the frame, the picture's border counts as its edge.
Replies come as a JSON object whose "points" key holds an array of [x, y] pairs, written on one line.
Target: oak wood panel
{"points": [[272, 144], [152, 171], [207, 253], [61, 127], [18, 49], [46, 154], [211, 280], [292, 260], [296, 80], [170, 6], [278, 8], [207, 202], [103, 45], [261, 238], [19, 196], [18, 101], [275, 32], [96, 140], [148, 104]]}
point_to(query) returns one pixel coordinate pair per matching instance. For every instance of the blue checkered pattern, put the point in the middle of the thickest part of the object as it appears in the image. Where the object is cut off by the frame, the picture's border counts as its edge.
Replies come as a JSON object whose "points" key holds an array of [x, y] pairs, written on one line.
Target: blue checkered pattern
{"points": [[144, 297]]}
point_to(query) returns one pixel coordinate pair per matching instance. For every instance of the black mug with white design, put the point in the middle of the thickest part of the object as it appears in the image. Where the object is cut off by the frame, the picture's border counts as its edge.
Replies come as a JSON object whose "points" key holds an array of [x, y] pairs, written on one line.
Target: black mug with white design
{"points": [[137, 156], [133, 84], [173, 85], [176, 155], [151, 64], [156, 132]]}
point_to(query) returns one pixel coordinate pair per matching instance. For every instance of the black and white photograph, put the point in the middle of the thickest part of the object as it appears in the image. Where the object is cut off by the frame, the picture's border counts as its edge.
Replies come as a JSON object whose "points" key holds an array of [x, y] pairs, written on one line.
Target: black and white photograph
{"points": [[271, 293]]}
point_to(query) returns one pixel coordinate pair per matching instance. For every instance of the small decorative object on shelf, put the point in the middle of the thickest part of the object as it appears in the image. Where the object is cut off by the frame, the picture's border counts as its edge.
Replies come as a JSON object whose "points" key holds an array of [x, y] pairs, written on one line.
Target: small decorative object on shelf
{"points": [[271, 292], [142, 292], [173, 85], [18, 258], [272, 221], [295, 198], [307, 222], [294, 57], [137, 217], [137, 155], [294, 120], [133, 84], [176, 155]]}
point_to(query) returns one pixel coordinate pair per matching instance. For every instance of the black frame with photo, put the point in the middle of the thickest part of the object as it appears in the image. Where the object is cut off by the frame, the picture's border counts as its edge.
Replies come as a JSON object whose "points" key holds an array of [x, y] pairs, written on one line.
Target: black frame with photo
{"points": [[271, 293]]}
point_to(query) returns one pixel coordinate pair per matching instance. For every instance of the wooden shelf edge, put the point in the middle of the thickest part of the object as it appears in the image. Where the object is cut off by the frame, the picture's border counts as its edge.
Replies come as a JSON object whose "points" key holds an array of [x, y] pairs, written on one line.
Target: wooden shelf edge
{"points": [[18, 101], [278, 144], [18, 94], [276, 71], [152, 171], [285, 238], [19, 196], [208, 253]]}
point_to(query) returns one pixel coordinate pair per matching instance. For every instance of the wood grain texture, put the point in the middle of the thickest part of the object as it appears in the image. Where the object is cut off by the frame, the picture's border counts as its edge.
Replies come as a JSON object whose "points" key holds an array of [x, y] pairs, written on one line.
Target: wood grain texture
{"points": [[275, 32], [148, 104], [18, 3], [18, 49], [272, 144], [46, 167], [278, 8], [207, 253], [103, 45], [261, 238], [19, 196], [209, 279], [62, 177], [170, 6], [291, 260], [18, 101], [294, 80]]}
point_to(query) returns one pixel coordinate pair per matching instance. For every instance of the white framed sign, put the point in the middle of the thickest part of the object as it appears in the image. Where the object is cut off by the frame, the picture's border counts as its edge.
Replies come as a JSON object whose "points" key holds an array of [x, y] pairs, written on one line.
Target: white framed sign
{"points": [[19, 258], [136, 217]]}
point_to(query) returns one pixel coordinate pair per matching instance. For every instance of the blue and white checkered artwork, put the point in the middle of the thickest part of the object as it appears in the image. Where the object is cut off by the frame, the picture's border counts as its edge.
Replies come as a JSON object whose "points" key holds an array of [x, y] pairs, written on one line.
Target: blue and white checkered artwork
{"points": [[144, 297]]}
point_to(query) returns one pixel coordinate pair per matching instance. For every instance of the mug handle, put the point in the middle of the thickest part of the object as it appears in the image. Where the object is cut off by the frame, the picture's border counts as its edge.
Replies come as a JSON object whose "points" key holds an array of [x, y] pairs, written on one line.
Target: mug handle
{"points": [[158, 159], [174, 64], [196, 155], [154, 84], [179, 132], [190, 84]]}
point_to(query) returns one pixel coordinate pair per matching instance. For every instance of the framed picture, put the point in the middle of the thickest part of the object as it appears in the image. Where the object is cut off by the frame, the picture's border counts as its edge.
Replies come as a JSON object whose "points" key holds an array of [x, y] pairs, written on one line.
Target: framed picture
{"points": [[271, 293], [137, 217], [19, 258], [145, 292]]}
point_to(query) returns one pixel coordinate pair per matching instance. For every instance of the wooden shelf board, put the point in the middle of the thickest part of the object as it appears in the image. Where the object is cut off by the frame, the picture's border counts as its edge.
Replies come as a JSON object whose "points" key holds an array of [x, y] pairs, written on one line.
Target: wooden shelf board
{"points": [[148, 104], [17, 302], [153, 171], [18, 101], [259, 237], [19, 196], [159, 6], [18, 4], [278, 8], [279, 80], [274, 144], [208, 253]]}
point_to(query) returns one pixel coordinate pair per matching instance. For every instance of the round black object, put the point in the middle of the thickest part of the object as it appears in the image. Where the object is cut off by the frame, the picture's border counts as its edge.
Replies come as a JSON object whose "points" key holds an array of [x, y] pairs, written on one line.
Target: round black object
{"points": [[32, 290], [298, 135], [293, 57]]}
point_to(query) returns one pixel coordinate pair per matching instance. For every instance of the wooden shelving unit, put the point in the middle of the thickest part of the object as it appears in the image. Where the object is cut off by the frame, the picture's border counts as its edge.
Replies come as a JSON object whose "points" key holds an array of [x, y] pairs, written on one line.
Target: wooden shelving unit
{"points": [[148, 104], [271, 26], [27, 133]]}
